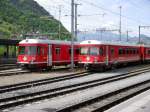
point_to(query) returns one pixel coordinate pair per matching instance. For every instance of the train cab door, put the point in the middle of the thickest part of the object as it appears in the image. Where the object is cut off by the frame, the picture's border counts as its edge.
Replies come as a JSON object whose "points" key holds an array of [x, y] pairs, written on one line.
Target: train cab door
{"points": [[107, 55], [57, 49], [112, 54], [49, 55]]}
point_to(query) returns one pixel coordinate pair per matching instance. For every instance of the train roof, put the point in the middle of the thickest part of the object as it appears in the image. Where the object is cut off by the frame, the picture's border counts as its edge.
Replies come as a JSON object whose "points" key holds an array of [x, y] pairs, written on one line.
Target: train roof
{"points": [[45, 41], [96, 42]]}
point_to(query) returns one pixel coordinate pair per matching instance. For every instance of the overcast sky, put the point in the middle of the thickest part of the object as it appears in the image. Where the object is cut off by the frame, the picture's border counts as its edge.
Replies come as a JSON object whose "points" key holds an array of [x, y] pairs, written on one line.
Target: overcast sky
{"points": [[134, 13]]}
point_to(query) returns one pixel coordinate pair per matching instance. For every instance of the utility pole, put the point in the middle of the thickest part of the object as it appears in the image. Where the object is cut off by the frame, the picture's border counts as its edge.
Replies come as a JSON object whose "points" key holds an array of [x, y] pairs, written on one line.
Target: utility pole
{"points": [[59, 22], [103, 23], [140, 31], [76, 20], [72, 34], [101, 35], [120, 22], [139, 34], [128, 35]]}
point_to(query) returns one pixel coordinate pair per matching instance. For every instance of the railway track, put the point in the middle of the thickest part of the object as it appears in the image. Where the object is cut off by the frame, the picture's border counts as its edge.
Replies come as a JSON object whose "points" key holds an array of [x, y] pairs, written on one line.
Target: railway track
{"points": [[50, 93], [12, 72], [7, 66], [104, 102], [30, 84]]}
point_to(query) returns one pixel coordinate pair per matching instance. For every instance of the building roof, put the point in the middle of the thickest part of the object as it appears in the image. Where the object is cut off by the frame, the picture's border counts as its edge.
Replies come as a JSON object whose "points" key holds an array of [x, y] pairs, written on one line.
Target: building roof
{"points": [[12, 42]]}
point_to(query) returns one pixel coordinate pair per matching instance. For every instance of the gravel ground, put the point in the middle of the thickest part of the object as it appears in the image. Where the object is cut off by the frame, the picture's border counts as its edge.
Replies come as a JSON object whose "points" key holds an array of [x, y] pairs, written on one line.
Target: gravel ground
{"points": [[25, 77], [74, 98]]}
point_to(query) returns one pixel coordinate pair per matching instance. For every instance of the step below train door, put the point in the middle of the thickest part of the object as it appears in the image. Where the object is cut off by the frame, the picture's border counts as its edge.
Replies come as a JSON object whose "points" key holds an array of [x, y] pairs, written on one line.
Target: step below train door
{"points": [[49, 63]]}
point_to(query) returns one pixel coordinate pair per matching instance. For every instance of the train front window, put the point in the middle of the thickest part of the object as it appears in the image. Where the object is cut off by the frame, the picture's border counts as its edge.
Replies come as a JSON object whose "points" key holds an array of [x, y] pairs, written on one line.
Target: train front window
{"points": [[32, 50], [28, 50], [21, 49], [84, 51], [94, 51]]}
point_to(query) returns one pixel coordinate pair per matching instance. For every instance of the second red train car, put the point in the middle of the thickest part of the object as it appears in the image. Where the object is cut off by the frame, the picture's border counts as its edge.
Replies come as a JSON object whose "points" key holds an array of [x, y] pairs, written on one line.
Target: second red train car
{"points": [[98, 54]]}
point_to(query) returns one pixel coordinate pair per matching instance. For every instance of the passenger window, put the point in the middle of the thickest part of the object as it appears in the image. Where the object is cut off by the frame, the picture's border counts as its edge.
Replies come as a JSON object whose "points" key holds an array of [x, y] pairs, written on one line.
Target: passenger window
{"points": [[134, 51], [137, 51], [127, 50], [120, 51], [77, 51], [69, 50], [148, 51], [112, 51], [101, 51], [123, 51], [57, 50], [42, 50], [38, 50], [130, 51]]}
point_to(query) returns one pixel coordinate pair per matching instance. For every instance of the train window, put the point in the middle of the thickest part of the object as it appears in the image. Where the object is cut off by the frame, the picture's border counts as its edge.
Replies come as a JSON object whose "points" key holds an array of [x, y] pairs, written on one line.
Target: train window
{"points": [[42, 51], [137, 51], [84, 50], [77, 51], [148, 51], [145, 51], [32, 50], [94, 51], [120, 51], [130, 51], [112, 51], [101, 52], [69, 50], [134, 51], [21, 50], [57, 50], [127, 51], [123, 51], [38, 50]]}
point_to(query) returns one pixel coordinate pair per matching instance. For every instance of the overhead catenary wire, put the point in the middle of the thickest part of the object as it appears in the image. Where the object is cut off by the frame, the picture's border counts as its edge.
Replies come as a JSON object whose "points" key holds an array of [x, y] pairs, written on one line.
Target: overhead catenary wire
{"points": [[110, 11]]}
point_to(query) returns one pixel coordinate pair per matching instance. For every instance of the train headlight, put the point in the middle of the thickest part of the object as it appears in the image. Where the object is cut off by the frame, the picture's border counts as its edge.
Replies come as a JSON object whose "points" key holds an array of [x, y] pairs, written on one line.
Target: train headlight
{"points": [[88, 58], [25, 58]]}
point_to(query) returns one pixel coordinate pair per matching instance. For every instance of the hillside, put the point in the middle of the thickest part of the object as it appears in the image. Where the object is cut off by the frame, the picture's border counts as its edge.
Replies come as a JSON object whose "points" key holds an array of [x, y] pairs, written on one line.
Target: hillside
{"points": [[19, 17], [109, 36]]}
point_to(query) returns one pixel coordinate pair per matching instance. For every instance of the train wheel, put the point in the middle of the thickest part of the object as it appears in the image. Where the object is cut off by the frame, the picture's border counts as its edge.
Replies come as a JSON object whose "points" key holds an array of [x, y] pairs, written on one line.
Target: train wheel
{"points": [[113, 66]]}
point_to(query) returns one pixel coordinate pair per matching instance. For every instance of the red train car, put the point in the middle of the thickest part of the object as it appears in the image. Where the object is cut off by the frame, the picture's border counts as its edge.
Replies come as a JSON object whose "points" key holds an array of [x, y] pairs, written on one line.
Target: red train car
{"points": [[44, 53], [145, 53], [97, 54]]}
